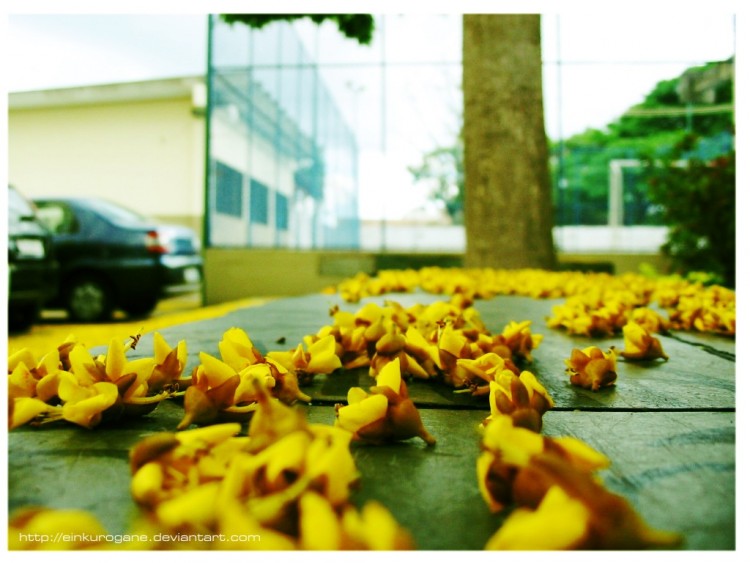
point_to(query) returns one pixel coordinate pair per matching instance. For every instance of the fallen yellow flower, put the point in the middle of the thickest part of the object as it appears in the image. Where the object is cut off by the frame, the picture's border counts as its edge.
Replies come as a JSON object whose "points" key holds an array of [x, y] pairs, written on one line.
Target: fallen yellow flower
{"points": [[640, 345], [385, 414], [591, 368]]}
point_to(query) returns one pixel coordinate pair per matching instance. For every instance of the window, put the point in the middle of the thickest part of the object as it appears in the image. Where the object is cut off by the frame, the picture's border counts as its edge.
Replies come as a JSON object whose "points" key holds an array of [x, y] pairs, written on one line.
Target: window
{"points": [[258, 202], [57, 217], [282, 212], [228, 190]]}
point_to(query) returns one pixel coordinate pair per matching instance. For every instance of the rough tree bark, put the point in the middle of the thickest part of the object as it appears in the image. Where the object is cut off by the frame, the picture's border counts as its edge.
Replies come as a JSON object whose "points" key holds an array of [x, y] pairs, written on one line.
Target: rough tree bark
{"points": [[508, 203]]}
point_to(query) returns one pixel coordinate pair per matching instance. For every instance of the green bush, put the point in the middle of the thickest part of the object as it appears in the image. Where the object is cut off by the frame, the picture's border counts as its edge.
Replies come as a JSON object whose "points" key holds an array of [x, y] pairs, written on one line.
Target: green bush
{"points": [[698, 200]]}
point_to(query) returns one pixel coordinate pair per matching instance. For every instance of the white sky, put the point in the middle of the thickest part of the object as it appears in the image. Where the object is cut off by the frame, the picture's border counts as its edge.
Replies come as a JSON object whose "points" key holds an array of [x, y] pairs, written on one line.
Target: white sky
{"points": [[51, 50]]}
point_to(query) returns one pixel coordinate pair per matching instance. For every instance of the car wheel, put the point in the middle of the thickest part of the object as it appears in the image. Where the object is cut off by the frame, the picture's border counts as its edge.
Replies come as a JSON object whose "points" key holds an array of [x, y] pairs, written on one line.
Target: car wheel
{"points": [[88, 299], [141, 308]]}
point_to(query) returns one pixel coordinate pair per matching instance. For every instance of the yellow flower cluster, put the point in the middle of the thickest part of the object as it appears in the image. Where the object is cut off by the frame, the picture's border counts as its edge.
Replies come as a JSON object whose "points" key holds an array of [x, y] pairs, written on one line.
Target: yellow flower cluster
{"points": [[70, 384], [477, 283], [557, 499], [287, 482], [693, 307], [283, 486], [596, 304], [430, 341], [227, 389]]}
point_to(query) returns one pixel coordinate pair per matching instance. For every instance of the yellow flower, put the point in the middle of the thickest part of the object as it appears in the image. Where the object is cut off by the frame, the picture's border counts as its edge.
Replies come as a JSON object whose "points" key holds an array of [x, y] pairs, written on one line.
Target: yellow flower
{"points": [[505, 447], [424, 352], [374, 528], [385, 414], [322, 356], [649, 319], [518, 338], [591, 368], [169, 366], [640, 345], [329, 463], [23, 410], [167, 463], [85, 404], [237, 350], [273, 420], [521, 397], [478, 372], [48, 529], [559, 522], [213, 393]]}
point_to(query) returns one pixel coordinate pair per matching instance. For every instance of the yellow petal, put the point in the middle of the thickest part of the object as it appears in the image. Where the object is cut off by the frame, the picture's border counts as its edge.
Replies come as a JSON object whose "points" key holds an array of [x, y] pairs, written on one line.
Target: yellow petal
{"points": [[115, 361], [319, 527], [146, 485], [390, 376], [484, 461], [24, 356], [26, 409], [288, 454], [356, 395], [83, 366], [143, 368], [323, 358], [243, 532], [58, 529], [216, 372], [564, 522], [584, 456], [87, 412], [359, 415], [196, 507], [161, 348], [21, 383], [237, 350], [452, 341], [332, 462], [382, 530], [517, 445], [209, 435]]}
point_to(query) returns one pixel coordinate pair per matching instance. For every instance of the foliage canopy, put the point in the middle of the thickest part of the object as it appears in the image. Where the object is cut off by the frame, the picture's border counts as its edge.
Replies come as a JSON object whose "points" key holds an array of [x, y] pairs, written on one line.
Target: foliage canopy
{"points": [[353, 26]]}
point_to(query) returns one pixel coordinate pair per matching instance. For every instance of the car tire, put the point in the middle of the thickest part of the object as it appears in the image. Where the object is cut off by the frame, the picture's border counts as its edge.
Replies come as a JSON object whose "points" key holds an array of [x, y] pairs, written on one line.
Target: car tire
{"points": [[88, 299]]}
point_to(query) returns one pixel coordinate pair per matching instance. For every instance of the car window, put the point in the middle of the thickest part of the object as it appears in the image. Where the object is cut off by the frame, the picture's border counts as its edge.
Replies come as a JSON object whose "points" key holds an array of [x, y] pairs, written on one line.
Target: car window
{"points": [[117, 213], [18, 206], [57, 217]]}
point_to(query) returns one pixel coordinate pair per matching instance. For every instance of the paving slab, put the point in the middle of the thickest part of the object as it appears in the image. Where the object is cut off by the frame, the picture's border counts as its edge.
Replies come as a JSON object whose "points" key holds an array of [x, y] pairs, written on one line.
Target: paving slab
{"points": [[668, 428]]}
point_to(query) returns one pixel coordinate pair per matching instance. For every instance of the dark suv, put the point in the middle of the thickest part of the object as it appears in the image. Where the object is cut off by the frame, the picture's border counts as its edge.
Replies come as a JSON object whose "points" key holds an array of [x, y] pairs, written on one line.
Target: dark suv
{"points": [[32, 269], [114, 258]]}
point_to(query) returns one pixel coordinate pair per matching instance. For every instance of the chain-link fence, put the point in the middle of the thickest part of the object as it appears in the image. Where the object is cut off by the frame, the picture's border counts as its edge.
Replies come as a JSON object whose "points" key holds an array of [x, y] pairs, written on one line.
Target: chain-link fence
{"points": [[317, 142]]}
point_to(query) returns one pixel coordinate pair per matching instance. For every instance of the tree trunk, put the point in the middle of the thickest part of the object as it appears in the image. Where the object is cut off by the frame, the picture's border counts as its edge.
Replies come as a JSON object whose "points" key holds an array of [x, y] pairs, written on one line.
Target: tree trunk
{"points": [[508, 203]]}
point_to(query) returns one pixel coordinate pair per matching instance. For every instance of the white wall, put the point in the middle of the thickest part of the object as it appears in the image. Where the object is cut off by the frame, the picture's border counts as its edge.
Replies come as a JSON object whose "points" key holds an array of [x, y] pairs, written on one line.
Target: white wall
{"points": [[141, 154], [452, 238]]}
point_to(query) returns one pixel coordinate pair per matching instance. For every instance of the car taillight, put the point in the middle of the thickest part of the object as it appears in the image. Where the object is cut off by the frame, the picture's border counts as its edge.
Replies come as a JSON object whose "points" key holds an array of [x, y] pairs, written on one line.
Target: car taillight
{"points": [[154, 244]]}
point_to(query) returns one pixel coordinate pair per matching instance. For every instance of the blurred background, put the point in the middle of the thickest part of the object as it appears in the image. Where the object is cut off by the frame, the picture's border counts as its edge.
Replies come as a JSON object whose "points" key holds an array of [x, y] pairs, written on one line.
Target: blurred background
{"points": [[299, 156]]}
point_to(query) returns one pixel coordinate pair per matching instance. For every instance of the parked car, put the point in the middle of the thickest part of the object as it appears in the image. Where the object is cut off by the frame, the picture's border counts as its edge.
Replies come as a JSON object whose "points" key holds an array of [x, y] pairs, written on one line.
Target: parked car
{"points": [[114, 258], [32, 269]]}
